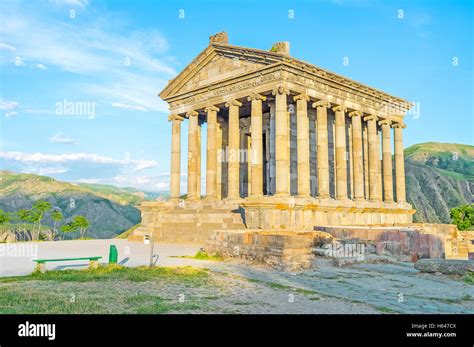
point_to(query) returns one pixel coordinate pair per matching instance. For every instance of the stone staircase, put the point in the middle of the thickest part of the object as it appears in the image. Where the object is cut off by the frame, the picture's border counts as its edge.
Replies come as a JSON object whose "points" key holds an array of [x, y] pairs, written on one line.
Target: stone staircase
{"points": [[183, 225]]}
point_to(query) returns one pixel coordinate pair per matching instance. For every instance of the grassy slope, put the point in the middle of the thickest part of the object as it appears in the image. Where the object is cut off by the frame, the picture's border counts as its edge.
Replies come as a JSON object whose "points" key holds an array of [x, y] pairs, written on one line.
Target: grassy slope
{"points": [[108, 214], [439, 177]]}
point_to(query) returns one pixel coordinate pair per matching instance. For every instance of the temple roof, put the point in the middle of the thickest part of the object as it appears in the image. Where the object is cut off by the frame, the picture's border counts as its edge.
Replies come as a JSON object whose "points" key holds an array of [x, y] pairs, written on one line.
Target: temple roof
{"points": [[260, 59]]}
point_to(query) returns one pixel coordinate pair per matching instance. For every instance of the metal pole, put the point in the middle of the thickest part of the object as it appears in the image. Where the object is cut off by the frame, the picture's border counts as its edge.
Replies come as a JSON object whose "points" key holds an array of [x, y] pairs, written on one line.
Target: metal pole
{"points": [[152, 246]]}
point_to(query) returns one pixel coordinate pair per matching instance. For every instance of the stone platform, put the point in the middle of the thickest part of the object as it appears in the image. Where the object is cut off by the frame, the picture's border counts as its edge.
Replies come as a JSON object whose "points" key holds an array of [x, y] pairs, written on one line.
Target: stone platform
{"points": [[284, 250]]}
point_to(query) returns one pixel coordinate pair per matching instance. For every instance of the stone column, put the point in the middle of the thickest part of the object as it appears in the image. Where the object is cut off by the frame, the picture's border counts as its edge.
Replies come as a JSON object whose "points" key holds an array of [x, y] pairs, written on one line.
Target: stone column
{"points": [[175, 172], [198, 178], [399, 162], [379, 162], [192, 155], [374, 154], [234, 154], [219, 159], [211, 161], [365, 144], [387, 161], [256, 155], [357, 160], [341, 154], [282, 143], [322, 149], [302, 144]]}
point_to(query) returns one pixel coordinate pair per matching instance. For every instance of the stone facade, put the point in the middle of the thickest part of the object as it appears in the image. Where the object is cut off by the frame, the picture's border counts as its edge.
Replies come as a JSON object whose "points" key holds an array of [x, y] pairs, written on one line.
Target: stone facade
{"points": [[291, 144]]}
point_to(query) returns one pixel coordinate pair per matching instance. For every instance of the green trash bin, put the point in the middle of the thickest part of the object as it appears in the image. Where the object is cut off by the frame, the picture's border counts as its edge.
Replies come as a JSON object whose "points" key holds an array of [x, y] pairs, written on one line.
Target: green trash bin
{"points": [[113, 254]]}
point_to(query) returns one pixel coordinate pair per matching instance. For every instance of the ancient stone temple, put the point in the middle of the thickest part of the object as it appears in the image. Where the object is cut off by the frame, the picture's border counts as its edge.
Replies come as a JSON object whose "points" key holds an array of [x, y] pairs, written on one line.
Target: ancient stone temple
{"points": [[288, 146]]}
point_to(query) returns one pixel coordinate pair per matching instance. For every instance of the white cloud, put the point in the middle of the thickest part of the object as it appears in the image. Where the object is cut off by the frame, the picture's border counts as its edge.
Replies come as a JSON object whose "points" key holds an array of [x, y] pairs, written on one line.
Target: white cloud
{"points": [[11, 114], [51, 171], [147, 183], [7, 47], [41, 66], [129, 107], [62, 139], [80, 3], [8, 105], [42, 158]]}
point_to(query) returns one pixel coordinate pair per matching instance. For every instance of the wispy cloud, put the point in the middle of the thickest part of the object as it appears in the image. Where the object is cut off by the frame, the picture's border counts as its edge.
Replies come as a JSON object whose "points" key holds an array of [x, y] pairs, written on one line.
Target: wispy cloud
{"points": [[116, 62], [129, 107], [7, 47], [80, 3], [9, 107], [42, 158]]}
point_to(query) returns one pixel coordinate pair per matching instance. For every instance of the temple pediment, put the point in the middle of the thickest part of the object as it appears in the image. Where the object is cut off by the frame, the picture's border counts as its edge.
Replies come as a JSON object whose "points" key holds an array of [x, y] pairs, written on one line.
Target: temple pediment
{"points": [[216, 63]]}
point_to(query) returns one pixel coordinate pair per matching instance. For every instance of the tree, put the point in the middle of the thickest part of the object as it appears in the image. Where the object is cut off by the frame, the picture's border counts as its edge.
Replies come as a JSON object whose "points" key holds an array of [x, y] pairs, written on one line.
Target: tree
{"points": [[463, 216], [4, 217], [69, 228], [40, 207], [56, 216], [82, 223], [24, 217]]}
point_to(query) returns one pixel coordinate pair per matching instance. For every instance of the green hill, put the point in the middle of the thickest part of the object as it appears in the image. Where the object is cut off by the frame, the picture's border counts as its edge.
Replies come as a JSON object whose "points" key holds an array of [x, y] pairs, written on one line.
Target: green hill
{"points": [[110, 210], [439, 176]]}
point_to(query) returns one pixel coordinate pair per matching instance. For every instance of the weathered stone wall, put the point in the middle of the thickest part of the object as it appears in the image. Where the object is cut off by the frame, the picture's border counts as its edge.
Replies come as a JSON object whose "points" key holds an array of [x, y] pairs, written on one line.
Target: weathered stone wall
{"points": [[417, 241], [288, 251]]}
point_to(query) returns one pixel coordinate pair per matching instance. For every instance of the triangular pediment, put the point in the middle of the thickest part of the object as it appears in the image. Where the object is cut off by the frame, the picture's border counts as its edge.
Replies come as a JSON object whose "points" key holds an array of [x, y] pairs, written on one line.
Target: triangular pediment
{"points": [[215, 63]]}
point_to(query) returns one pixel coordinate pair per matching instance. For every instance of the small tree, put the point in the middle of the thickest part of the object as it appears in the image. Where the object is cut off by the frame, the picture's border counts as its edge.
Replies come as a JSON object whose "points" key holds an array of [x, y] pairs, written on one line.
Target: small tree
{"points": [[4, 217], [56, 216], [41, 207], [22, 217], [463, 216], [34, 217], [69, 228], [81, 223]]}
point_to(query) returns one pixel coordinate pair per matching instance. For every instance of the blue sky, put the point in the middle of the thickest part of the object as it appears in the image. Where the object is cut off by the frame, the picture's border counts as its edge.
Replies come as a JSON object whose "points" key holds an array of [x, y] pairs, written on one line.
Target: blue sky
{"points": [[113, 57]]}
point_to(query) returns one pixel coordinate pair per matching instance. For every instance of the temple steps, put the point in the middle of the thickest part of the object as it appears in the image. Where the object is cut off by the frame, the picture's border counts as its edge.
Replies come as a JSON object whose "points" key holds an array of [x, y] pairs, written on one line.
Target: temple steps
{"points": [[190, 225]]}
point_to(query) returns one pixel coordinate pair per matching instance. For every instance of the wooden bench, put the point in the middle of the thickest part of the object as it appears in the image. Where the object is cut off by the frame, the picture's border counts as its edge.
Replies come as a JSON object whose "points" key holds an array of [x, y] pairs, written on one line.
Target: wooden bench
{"points": [[41, 263]]}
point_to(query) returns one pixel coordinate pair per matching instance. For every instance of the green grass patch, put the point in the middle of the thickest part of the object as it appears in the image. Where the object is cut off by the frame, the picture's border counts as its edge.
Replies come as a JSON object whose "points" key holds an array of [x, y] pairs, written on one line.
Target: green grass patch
{"points": [[469, 278], [385, 309], [107, 289], [201, 255], [114, 272]]}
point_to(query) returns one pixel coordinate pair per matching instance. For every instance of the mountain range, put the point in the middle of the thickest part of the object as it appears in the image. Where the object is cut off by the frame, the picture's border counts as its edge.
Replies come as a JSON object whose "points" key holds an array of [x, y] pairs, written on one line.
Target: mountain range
{"points": [[110, 210]]}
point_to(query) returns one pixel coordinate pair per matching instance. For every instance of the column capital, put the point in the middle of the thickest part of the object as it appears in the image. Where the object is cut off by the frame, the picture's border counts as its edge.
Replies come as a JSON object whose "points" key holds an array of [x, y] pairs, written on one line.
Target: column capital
{"points": [[175, 117], [385, 122], [233, 103], [337, 108], [355, 113], [399, 125], [370, 117], [192, 114], [280, 90], [321, 103], [256, 96], [211, 108], [301, 97]]}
